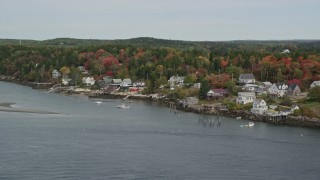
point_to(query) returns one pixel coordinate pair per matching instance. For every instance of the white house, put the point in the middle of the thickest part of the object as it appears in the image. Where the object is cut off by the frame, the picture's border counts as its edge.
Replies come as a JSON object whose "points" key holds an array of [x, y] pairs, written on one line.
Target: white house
{"points": [[259, 106], [286, 51], [278, 89], [139, 84], [177, 80], [89, 81], [294, 90], [294, 107], [265, 85], [250, 87], [314, 84], [55, 74], [197, 85], [212, 94], [65, 80], [188, 101], [126, 83], [246, 79], [83, 70], [245, 97], [116, 82]]}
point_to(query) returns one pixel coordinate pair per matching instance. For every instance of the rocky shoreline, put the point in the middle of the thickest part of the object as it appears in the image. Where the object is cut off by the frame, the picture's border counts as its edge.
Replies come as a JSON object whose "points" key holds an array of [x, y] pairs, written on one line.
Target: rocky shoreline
{"points": [[301, 121]]}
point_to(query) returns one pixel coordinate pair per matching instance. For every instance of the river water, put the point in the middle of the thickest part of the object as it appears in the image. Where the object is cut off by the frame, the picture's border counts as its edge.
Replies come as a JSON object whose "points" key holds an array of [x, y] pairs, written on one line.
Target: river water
{"points": [[146, 141]]}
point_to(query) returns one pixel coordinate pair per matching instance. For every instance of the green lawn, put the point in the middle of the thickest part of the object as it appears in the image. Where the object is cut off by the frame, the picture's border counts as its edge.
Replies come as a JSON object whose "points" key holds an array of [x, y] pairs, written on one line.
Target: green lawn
{"points": [[312, 105]]}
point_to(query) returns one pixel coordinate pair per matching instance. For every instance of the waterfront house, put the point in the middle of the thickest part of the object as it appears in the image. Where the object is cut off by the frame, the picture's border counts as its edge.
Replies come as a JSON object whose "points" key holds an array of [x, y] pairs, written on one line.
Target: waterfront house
{"points": [[107, 80], [273, 106], [315, 84], [176, 80], [259, 106], [250, 87], [278, 89], [294, 90], [82, 70], [213, 95], [265, 85], [245, 97], [221, 91], [55, 74], [65, 80], [294, 107], [139, 84], [116, 82], [88, 81], [126, 83], [246, 79], [188, 101], [263, 88], [197, 85]]}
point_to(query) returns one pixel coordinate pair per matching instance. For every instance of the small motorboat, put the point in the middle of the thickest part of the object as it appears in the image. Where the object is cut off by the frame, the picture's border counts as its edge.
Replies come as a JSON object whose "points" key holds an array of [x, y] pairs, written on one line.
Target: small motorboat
{"points": [[238, 117], [98, 102], [251, 124], [123, 106]]}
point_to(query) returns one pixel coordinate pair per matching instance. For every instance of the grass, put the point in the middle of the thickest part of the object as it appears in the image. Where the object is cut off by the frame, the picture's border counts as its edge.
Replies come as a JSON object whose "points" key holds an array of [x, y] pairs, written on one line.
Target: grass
{"points": [[314, 106]]}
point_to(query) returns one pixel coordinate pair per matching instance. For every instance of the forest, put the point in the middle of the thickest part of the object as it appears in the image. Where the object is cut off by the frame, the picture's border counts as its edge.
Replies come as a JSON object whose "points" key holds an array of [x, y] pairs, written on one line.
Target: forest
{"points": [[156, 60]]}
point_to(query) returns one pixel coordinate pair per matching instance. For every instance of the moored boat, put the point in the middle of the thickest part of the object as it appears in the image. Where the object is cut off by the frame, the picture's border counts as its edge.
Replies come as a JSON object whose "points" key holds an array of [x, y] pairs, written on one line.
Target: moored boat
{"points": [[251, 124], [123, 106]]}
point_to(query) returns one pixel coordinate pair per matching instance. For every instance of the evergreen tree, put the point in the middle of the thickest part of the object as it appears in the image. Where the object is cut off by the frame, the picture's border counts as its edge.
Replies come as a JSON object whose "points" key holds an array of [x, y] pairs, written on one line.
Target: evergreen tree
{"points": [[314, 94], [204, 88]]}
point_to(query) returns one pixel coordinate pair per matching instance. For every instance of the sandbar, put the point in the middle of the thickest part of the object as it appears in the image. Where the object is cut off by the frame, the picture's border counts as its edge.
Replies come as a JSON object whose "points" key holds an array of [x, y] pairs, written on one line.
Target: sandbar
{"points": [[7, 107]]}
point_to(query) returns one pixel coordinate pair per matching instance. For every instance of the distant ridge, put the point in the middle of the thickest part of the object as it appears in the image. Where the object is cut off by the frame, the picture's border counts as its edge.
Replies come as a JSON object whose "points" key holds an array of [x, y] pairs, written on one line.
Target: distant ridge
{"points": [[147, 41]]}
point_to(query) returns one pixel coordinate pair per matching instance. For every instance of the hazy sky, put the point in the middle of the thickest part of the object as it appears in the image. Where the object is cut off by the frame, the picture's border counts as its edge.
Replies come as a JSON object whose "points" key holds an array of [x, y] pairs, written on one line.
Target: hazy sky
{"points": [[168, 19]]}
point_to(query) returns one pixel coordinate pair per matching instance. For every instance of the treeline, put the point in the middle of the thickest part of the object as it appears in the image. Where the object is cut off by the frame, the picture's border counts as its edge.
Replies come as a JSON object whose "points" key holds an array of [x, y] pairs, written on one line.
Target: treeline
{"points": [[156, 60]]}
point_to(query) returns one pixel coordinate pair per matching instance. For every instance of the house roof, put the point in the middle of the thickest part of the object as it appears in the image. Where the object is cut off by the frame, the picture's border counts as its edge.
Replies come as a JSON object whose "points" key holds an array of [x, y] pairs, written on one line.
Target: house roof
{"points": [[257, 101], [316, 83], [221, 91], [192, 99], [267, 83], [117, 81], [246, 76], [292, 87], [126, 80], [176, 78], [281, 86], [249, 93]]}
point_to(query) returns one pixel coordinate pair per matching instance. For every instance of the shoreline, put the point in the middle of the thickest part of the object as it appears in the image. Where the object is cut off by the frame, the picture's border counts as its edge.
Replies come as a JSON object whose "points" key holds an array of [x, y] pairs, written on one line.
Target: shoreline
{"points": [[301, 121]]}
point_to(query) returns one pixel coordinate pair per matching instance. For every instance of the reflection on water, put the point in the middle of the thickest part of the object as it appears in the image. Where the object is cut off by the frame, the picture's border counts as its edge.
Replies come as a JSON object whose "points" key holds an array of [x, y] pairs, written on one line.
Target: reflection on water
{"points": [[146, 141], [210, 121]]}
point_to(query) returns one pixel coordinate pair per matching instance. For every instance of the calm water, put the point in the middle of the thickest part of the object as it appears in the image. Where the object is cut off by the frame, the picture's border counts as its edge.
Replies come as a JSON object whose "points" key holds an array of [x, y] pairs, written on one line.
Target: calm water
{"points": [[90, 141]]}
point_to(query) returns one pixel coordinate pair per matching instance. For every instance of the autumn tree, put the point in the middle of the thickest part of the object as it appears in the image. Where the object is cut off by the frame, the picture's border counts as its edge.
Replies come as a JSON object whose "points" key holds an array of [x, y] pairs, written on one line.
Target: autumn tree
{"points": [[160, 70], [65, 71]]}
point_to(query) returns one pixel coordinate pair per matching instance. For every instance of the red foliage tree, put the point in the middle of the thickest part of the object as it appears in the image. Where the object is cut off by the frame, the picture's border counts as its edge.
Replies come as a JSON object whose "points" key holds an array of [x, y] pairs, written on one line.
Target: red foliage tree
{"points": [[109, 73], [295, 81], [109, 61], [224, 64], [219, 81]]}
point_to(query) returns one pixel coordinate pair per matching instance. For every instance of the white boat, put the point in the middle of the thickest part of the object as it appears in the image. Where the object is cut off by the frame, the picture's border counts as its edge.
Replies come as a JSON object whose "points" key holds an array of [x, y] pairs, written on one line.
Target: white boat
{"points": [[123, 106], [98, 102], [251, 124], [238, 117]]}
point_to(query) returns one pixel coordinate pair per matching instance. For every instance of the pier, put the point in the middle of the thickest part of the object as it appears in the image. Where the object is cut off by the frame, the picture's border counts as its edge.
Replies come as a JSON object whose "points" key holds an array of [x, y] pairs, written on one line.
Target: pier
{"points": [[276, 118]]}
